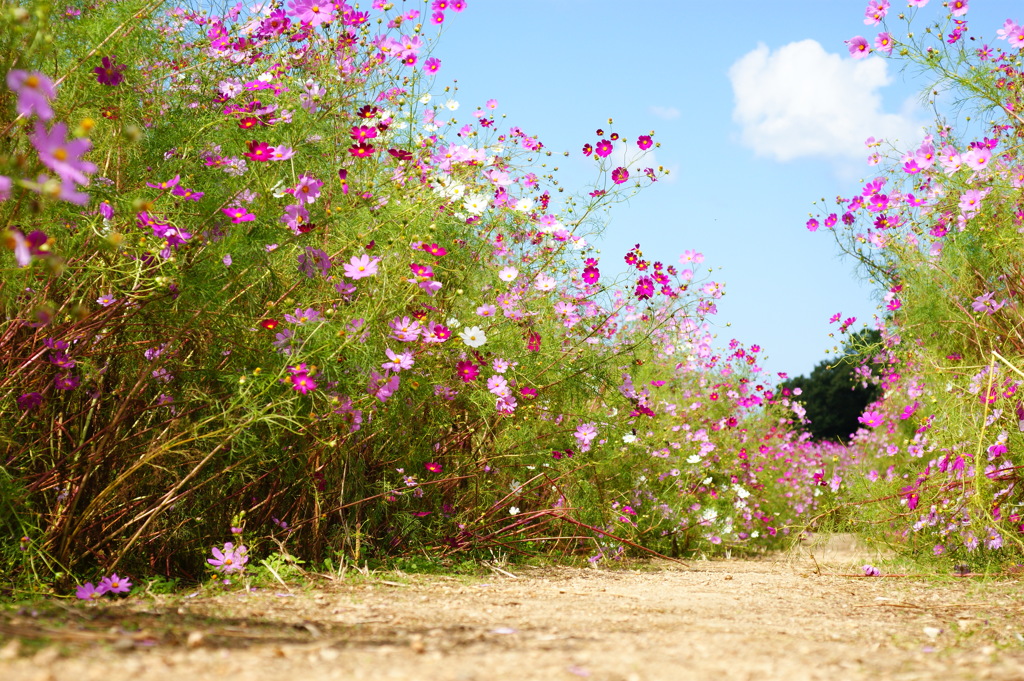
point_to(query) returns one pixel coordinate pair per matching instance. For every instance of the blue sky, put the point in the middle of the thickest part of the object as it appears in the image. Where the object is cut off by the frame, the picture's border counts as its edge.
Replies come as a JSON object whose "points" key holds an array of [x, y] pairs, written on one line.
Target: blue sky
{"points": [[759, 111]]}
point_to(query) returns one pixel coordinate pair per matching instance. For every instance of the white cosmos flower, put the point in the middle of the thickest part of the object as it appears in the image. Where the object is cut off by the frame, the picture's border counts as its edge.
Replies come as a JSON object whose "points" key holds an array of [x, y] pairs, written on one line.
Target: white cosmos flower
{"points": [[476, 204], [473, 336], [450, 189]]}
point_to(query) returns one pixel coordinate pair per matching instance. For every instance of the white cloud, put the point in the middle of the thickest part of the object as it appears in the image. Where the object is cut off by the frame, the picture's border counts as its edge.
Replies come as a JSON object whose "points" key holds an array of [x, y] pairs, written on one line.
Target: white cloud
{"points": [[801, 101], [665, 113]]}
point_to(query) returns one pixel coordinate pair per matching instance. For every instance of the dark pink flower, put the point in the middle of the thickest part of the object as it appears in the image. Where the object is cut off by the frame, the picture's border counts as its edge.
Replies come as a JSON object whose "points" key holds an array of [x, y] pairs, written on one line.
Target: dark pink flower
{"points": [[467, 371], [109, 73]]}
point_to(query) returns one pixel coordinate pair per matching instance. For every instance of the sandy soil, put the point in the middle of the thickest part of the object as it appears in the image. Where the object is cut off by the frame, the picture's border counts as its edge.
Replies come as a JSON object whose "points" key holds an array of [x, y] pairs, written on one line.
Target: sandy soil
{"points": [[789, 618]]}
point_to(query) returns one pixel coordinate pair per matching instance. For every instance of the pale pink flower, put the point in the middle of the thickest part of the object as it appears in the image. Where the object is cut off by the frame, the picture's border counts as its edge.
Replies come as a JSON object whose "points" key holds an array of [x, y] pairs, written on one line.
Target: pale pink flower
{"points": [[361, 266], [34, 92]]}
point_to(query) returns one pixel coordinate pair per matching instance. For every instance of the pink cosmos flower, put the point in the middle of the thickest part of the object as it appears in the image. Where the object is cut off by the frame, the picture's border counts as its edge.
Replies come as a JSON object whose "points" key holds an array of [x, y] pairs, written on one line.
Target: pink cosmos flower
{"points": [[185, 193], [405, 329], [1016, 37], [281, 153], [620, 175], [34, 92], [858, 47], [238, 214], [361, 266], [544, 282], [302, 383], [498, 385], [398, 361], [644, 142], [296, 217], [970, 202], [986, 303], [958, 8], [603, 148], [584, 434], [313, 12], [883, 43], [876, 11], [302, 316], [506, 404], [115, 585], [166, 184], [691, 256], [308, 189], [62, 155], [872, 419], [977, 159], [88, 592], [432, 65], [230, 559]]}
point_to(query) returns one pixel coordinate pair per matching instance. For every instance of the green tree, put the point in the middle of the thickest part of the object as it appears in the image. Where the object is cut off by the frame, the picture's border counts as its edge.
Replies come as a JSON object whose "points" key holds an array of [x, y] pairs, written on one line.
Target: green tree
{"points": [[834, 395]]}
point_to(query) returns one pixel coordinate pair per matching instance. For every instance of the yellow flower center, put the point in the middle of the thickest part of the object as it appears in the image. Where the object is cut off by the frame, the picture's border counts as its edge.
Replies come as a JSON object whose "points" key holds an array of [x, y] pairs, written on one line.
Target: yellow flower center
{"points": [[32, 81], [60, 154]]}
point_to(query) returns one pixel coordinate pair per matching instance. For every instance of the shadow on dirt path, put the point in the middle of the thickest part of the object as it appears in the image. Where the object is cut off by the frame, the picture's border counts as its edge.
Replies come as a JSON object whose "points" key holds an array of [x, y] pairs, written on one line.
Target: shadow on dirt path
{"points": [[794, 617]]}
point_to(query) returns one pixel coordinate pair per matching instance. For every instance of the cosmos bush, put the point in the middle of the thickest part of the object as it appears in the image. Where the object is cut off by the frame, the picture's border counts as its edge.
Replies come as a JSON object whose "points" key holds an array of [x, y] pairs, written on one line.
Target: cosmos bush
{"points": [[261, 280], [939, 229]]}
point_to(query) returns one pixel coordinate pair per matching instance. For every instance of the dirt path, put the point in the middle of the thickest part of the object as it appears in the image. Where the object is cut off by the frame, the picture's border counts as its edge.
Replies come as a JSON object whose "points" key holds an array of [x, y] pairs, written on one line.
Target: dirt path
{"points": [[759, 620]]}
